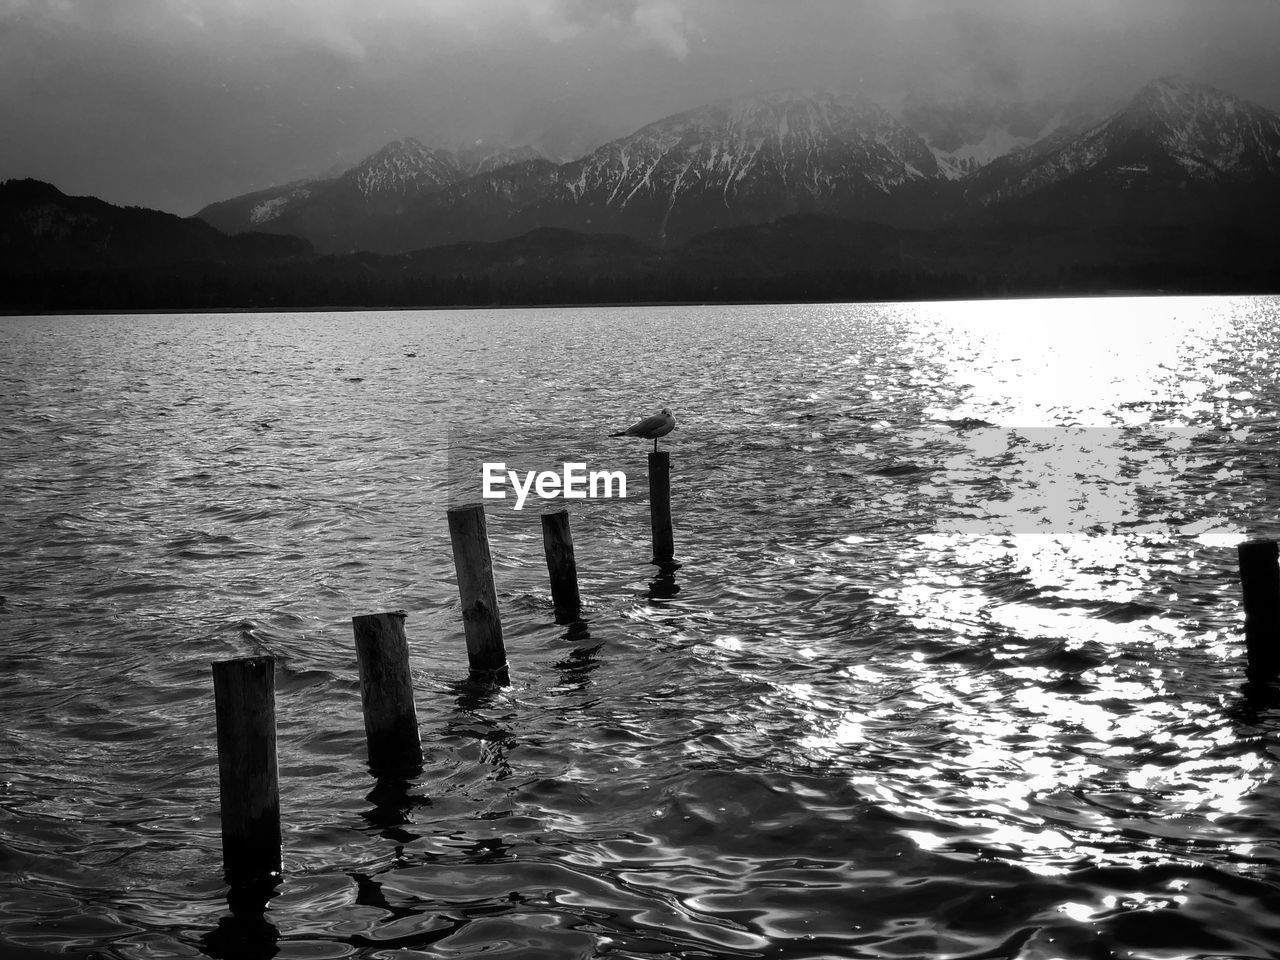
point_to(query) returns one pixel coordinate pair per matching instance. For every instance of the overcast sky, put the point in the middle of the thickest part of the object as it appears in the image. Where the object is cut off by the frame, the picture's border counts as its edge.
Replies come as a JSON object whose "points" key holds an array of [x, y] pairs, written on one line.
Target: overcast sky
{"points": [[177, 103]]}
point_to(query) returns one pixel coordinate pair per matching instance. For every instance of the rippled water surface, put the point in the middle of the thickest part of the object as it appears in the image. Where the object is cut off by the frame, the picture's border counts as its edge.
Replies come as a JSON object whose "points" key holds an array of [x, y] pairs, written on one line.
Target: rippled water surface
{"points": [[951, 666]]}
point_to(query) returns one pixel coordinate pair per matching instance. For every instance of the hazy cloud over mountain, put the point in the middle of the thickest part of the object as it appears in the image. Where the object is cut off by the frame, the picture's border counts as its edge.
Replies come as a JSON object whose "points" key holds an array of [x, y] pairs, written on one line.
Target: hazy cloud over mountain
{"points": [[174, 103]]}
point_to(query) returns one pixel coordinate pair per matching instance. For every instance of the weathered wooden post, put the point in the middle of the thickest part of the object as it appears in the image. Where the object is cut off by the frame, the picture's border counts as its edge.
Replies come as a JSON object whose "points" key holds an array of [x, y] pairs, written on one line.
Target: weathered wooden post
{"points": [[557, 544], [486, 652], [244, 693], [660, 506], [386, 693], [1260, 586]]}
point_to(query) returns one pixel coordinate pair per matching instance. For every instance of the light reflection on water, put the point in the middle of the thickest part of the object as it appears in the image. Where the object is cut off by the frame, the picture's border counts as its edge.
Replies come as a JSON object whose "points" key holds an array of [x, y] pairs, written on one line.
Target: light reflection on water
{"points": [[950, 668]]}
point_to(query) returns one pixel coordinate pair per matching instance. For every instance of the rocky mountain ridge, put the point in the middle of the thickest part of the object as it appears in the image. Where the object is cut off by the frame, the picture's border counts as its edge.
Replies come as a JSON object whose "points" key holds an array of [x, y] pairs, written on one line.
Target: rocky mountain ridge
{"points": [[806, 194], [968, 131], [1177, 152], [376, 186], [754, 159]]}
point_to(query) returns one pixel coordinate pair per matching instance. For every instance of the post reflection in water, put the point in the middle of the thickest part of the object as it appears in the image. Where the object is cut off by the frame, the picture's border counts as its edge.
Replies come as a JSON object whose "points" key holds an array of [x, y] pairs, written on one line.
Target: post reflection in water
{"points": [[576, 668], [1257, 700], [245, 933], [663, 586], [393, 808], [495, 739], [369, 893]]}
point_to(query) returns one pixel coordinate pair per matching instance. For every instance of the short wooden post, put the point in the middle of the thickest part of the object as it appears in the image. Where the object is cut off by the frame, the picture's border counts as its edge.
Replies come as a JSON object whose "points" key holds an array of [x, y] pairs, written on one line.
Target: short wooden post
{"points": [[486, 652], [1260, 586], [386, 693], [660, 506], [557, 543], [244, 693]]}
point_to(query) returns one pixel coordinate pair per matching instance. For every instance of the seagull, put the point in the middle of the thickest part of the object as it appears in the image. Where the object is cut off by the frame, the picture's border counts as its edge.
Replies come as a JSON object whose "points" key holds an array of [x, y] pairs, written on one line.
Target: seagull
{"points": [[651, 428]]}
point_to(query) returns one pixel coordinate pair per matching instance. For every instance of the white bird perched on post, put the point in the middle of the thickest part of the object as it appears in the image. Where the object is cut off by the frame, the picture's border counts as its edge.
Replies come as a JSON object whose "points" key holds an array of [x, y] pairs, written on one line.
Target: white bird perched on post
{"points": [[651, 428]]}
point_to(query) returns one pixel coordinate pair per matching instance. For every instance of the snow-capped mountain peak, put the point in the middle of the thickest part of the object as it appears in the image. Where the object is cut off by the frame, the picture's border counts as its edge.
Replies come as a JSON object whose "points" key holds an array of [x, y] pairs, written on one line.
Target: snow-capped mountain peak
{"points": [[753, 158], [1178, 151], [1209, 133], [1176, 96], [403, 167], [805, 113]]}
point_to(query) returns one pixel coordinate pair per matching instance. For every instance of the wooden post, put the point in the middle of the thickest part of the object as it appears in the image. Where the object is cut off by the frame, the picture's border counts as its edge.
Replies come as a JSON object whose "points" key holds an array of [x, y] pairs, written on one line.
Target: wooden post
{"points": [[244, 694], [557, 543], [1260, 586], [386, 693], [471, 559], [660, 506]]}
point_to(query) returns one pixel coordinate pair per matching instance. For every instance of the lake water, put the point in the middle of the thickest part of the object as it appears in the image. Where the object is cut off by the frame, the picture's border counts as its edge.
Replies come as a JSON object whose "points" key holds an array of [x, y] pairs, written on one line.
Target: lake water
{"points": [[951, 666]]}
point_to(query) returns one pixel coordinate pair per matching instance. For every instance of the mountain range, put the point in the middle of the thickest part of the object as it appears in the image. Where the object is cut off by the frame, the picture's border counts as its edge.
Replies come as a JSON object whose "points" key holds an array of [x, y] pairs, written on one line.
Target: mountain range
{"points": [[355, 208], [781, 194], [1171, 154]]}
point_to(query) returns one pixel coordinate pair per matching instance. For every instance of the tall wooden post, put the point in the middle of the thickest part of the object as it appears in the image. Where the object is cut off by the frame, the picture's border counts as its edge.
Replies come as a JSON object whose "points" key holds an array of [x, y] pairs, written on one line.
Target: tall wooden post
{"points": [[486, 652], [1260, 586], [244, 701], [660, 506], [557, 544], [386, 693]]}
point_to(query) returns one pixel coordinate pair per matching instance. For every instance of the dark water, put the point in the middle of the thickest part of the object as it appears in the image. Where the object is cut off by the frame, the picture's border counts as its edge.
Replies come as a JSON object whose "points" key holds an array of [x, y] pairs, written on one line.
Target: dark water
{"points": [[951, 667]]}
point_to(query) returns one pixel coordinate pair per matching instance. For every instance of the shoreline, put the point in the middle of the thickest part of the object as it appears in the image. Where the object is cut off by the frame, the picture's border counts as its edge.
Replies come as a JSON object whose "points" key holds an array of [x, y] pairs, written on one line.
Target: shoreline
{"points": [[1116, 294]]}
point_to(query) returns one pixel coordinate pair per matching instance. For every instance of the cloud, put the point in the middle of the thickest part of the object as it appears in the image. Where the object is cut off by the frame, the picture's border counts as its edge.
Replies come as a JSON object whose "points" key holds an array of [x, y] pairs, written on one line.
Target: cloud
{"points": [[660, 25], [210, 26], [665, 24], [180, 102]]}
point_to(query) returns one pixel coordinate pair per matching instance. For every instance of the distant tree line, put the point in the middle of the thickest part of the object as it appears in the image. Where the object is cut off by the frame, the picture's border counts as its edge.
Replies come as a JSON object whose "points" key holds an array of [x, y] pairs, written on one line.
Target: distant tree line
{"points": [[365, 282]]}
